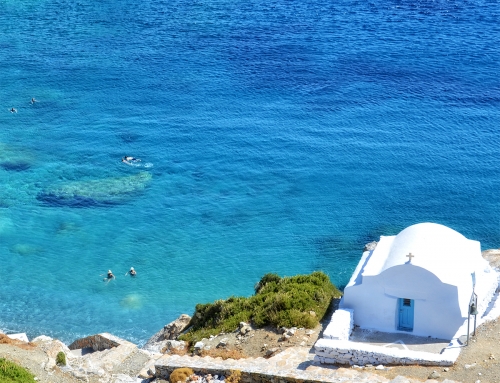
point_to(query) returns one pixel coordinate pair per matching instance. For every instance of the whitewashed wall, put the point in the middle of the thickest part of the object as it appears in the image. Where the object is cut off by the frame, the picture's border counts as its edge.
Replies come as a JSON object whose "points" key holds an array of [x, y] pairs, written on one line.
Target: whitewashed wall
{"points": [[375, 302], [330, 351], [340, 326]]}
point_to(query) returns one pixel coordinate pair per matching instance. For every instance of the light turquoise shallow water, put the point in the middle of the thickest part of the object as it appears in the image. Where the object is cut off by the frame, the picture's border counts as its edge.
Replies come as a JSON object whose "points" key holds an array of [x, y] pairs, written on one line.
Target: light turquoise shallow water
{"points": [[283, 136]]}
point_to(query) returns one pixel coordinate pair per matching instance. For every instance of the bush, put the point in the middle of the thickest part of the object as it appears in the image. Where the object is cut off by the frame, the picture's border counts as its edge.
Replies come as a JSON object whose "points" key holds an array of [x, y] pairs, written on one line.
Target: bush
{"points": [[12, 373], [180, 374], [281, 302], [61, 358], [234, 376], [267, 278]]}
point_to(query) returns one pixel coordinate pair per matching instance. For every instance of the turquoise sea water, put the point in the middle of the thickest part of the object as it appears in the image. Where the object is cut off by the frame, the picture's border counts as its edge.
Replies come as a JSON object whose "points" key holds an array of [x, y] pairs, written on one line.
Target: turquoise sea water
{"points": [[275, 136]]}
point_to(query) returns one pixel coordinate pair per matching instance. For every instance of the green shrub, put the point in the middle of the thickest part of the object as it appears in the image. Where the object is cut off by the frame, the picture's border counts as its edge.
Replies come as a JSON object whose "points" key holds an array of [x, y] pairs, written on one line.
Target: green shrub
{"points": [[61, 358], [278, 301], [267, 278], [12, 373]]}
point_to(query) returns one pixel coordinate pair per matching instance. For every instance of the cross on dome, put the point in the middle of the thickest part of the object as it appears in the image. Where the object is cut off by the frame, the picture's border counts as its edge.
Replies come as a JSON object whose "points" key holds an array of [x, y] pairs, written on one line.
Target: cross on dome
{"points": [[410, 256]]}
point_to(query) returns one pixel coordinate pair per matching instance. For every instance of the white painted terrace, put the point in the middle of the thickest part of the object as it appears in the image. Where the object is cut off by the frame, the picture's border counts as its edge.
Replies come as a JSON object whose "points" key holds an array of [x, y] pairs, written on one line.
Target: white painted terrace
{"points": [[344, 344]]}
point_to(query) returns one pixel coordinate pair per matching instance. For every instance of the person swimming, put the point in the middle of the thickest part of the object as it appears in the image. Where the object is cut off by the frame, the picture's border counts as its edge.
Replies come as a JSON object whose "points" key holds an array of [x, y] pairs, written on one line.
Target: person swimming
{"points": [[110, 275], [13, 110], [132, 272], [130, 159], [33, 100]]}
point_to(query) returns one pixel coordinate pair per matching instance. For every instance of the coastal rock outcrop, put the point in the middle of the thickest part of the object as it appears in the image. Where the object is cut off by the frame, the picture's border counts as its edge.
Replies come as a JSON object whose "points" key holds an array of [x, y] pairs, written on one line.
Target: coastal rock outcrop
{"points": [[370, 246], [493, 257], [52, 347], [165, 338]]}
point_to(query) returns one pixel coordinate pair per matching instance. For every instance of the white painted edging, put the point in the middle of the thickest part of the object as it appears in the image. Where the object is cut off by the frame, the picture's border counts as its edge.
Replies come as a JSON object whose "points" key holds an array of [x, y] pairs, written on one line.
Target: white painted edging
{"points": [[342, 351], [340, 326], [331, 351]]}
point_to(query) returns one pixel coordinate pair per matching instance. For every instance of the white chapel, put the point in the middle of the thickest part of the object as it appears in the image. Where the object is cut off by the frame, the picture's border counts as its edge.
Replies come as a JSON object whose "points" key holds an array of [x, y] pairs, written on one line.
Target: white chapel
{"points": [[420, 282]]}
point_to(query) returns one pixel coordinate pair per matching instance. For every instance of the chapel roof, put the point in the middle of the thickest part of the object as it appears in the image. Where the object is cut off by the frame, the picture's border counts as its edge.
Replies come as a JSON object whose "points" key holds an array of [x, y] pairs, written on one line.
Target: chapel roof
{"points": [[437, 248]]}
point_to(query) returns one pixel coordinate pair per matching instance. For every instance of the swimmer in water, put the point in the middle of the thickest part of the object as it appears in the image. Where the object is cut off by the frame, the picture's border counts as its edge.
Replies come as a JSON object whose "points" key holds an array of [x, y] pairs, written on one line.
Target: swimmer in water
{"points": [[109, 276], [132, 272], [13, 110], [129, 159], [33, 100]]}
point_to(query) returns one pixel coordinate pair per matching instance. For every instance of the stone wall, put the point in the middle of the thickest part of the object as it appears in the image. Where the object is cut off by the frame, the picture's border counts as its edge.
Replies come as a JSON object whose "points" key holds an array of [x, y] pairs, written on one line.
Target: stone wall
{"points": [[294, 365], [246, 377], [344, 352], [340, 326]]}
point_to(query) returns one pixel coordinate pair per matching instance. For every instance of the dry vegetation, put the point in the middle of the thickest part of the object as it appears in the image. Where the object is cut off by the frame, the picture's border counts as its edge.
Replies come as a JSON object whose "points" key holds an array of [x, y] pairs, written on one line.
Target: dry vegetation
{"points": [[4, 339], [180, 374], [223, 353]]}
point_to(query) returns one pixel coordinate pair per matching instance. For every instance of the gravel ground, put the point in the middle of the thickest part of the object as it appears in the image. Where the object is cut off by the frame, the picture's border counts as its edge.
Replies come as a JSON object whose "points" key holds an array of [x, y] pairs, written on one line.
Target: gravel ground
{"points": [[261, 342], [479, 361]]}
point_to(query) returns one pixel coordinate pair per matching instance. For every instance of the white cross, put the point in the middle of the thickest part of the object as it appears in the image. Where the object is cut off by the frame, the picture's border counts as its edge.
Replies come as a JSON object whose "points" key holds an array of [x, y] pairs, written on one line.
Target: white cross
{"points": [[410, 256]]}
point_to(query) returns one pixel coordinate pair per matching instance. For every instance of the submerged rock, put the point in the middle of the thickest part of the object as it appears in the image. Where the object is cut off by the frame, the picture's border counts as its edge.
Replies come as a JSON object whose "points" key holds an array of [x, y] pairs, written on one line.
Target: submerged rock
{"points": [[24, 249], [6, 224], [14, 159], [131, 301], [95, 192], [67, 227]]}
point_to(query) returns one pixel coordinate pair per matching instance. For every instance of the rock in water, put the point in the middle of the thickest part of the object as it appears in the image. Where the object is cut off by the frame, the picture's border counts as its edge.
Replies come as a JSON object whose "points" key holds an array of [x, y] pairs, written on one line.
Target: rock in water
{"points": [[6, 225], [131, 301], [14, 159], [24, 249], [95, 192]]}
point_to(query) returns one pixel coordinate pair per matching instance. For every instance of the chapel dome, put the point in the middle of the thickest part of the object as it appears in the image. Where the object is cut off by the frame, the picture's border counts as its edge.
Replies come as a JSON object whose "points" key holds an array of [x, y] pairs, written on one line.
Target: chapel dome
{"points": [[437, 248]]}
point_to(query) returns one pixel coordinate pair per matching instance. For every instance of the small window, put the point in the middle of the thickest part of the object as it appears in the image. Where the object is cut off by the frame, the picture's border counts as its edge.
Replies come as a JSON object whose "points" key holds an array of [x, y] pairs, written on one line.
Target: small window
{"points": [[406, 302]]}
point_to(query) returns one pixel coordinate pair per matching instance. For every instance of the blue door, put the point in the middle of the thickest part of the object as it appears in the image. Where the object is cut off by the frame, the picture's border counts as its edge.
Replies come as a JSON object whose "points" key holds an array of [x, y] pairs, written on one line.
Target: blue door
{"points": [[405, 308]]}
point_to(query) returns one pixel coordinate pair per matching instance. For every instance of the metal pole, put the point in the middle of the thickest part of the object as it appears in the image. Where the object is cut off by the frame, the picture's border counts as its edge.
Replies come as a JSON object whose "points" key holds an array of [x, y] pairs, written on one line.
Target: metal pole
{"points": [[474, 333], [468, 327], [472, 301]]}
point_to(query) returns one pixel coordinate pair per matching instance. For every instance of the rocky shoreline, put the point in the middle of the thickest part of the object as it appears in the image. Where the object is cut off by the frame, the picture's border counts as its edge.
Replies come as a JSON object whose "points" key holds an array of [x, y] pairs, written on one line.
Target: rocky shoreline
{"points": [[103, 358]]}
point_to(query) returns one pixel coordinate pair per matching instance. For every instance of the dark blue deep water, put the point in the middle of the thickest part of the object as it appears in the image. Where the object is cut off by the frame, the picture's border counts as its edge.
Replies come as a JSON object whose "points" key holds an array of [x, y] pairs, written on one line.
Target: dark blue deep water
{"points": [[275, 136]]}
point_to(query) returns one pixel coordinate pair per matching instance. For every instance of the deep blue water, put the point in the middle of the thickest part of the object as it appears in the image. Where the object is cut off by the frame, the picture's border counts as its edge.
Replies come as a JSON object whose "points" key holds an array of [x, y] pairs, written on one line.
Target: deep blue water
{"points": [[279, 136]]}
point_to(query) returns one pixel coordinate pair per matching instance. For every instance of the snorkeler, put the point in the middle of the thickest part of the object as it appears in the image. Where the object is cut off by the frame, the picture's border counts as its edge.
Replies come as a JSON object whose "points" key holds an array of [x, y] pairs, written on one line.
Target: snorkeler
{"points": [[13, 110], [130, 159], [132, 272], [33, 100], [109, 276]]}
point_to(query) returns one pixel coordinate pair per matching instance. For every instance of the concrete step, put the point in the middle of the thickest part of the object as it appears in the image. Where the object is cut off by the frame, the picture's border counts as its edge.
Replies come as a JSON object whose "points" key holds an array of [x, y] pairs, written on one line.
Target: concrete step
{"points": [[82, 351]]}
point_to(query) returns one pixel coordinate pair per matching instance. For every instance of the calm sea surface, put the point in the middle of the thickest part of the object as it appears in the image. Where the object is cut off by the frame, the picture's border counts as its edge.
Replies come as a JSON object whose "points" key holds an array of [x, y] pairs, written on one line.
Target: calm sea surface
{"points": [[275, 136]]}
